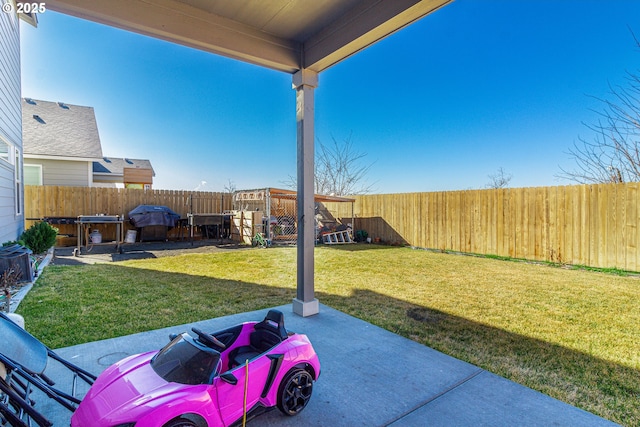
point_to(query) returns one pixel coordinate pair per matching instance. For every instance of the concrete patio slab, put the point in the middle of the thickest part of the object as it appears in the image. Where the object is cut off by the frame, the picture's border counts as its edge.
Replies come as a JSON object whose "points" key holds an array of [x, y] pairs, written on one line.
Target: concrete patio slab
{"points": [[490, 400], [370, 377]]}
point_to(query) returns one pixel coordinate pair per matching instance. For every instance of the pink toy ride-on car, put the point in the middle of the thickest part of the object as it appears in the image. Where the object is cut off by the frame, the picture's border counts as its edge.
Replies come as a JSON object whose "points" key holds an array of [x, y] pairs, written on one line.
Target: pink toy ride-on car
{"points": [[206, 380]]}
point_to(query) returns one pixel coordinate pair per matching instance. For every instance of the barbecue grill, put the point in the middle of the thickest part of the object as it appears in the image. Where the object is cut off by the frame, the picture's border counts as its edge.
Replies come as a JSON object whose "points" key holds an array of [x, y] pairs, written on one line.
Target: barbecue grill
{"points": [[153, 216]]}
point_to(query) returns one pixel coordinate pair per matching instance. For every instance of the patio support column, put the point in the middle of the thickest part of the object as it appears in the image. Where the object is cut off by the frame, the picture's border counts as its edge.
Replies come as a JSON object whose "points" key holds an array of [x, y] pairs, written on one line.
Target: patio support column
{"points": [[304, 82]]}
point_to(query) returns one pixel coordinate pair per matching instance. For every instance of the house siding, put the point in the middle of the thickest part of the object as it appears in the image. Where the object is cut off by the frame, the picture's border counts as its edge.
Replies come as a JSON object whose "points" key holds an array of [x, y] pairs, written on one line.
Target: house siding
{"points": [[64, 172], [11, 224], [107, 181]]}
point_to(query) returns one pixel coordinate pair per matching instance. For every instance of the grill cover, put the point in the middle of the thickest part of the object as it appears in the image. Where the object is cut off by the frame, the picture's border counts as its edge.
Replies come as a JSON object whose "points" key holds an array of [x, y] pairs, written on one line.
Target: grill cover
{"points": [[148, 215]]}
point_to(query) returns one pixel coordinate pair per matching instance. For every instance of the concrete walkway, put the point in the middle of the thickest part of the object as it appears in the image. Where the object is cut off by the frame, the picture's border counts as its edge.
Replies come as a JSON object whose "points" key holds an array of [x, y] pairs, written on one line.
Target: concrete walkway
{"points": [[370, 377]]}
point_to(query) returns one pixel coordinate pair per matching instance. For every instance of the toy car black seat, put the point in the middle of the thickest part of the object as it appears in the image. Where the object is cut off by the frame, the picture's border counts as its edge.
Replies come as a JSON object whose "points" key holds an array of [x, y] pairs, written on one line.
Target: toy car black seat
{"points": [[266, 334], [274, 323], [269, 332]]}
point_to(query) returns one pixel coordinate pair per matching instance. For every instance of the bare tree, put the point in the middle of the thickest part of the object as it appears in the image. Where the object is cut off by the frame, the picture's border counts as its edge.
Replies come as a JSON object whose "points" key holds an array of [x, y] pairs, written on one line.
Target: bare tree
{"points": [[613, 155], [230, 186], [339, 170], [500, 179]]}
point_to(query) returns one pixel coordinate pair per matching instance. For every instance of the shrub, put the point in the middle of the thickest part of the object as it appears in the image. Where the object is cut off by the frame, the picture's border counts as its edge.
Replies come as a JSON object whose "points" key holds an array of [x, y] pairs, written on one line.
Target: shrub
{"points": [[39, 237]]}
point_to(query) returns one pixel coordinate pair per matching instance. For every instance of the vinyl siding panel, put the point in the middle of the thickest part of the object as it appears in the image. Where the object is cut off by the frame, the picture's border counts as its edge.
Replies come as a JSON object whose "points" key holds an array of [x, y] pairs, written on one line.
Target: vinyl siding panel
{"points": [[10, 102], [64, 172], [11, 225]]}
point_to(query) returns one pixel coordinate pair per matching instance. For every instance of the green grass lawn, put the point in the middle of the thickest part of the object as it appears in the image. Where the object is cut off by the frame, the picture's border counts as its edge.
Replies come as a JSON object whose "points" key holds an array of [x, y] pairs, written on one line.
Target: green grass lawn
{"points": [[574, 335]]}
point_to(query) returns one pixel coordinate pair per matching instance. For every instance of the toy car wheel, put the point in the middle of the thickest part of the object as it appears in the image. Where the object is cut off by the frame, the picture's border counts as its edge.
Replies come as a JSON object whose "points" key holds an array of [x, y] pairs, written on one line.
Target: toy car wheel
{"points": [[180, 422], [295, 391]]}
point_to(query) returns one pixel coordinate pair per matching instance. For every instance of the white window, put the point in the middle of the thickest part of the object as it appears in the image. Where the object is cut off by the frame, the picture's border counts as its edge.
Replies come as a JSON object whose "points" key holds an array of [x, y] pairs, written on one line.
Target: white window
{"points": [[32, 174], [18, 175], [10, 157], [6, 151]]}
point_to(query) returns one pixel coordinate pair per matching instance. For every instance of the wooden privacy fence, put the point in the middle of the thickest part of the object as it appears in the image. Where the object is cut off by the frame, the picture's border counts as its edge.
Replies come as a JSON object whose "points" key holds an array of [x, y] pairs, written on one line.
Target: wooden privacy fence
{"points": [[59, 201], [594, 225]]}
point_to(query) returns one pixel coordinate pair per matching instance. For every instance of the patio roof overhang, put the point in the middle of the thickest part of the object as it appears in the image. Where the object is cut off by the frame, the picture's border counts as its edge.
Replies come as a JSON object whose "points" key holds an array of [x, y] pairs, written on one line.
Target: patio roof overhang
{"points": [[285, 35], [301, 37]]}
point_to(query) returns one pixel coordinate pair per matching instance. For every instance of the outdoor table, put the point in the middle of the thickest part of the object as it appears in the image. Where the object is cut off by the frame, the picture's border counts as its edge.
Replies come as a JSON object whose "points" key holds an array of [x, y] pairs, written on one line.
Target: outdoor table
{"points": [[85, 221], [207, 219]]}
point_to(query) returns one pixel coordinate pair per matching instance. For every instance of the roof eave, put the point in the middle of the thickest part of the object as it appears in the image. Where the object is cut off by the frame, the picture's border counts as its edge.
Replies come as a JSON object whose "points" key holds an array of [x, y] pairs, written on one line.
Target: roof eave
{"points": [[178, 22], [66, 158]]}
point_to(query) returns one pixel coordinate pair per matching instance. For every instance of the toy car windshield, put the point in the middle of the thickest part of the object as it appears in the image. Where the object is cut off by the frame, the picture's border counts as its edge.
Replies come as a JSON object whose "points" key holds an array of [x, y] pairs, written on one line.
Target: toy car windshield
{"points": [[186, 361]]}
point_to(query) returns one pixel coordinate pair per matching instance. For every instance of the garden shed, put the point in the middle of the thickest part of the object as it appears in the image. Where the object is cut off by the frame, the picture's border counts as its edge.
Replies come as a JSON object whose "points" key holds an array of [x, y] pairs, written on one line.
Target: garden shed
{"points": [[273, 211]]}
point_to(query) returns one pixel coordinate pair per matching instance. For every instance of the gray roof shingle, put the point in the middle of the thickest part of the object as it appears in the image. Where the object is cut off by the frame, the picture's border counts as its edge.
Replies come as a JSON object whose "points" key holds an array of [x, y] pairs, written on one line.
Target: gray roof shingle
{"points": [[115, 165], [58, 129]]}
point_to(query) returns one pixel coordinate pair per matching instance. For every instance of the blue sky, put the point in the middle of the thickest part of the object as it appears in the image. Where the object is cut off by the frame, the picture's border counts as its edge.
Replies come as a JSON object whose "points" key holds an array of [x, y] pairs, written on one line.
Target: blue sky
{"points": [[440, 105]]}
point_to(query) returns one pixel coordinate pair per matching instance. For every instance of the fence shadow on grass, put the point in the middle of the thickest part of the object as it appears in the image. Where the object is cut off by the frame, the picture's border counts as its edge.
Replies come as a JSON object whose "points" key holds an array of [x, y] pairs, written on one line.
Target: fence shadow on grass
{"points": [[104, 301]]}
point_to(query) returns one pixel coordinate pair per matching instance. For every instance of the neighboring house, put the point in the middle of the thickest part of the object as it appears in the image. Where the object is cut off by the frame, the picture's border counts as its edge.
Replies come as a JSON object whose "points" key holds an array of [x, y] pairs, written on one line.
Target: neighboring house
{"points": [[128, 173], [11, 183], [62, 147], [61, 142]]}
